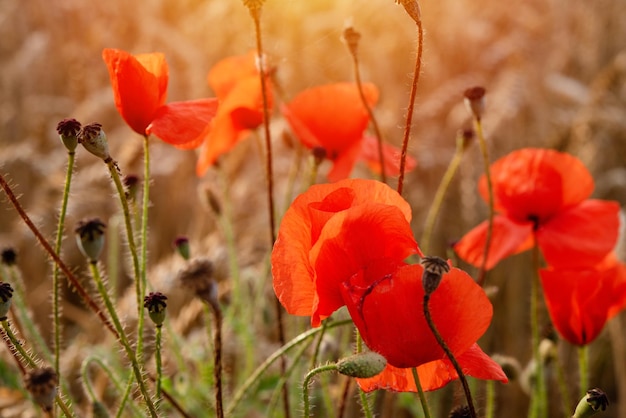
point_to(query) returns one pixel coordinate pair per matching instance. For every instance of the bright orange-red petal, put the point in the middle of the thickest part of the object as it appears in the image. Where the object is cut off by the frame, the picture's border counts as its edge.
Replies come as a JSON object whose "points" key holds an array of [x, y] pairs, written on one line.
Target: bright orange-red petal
{"points": [[507, 238], [344, 163], [436, 374], [331, 116], [225, 75], [582, 235], [301, 226], [581, 300], [538, 183], [353, 240], [139, 85], [182, 123], [391, 157], [388, 311]]}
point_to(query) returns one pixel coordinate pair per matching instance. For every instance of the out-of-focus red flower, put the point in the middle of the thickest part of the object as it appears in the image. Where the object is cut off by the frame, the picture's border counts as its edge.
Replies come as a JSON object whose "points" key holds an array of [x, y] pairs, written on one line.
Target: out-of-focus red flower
{"points": [[140, 90], [435, 374], [333, 117], [375, 213], [237, 85], [543, 193], [581, 300]]}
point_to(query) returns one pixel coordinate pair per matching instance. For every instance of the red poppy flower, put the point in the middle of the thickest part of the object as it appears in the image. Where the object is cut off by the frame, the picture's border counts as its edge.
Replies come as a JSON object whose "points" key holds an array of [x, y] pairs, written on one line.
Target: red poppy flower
{"points": [[374, 212], [237, 85], [391, 157], [581, 300], [332, 117], [140, 89], [436, 374], [543, 193]]}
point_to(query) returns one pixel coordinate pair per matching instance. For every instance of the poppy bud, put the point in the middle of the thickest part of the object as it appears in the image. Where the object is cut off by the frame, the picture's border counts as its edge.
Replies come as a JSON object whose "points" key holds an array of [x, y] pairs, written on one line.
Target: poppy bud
{"points": [[462, 411], [155, 304], [93, 138], [362, 365], [182, 247], [412, 7], [475, 101], [6, 293], [42, 385], [8, 256], [90, 238], [434, 269], [595, 400], [68, 130]]}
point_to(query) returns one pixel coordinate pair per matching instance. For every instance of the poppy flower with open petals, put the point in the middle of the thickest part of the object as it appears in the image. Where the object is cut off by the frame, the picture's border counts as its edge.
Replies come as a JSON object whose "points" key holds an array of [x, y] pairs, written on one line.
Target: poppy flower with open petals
{"points": [[435, 374], [332, 117], [581, 300], [140, 90], [375, 213], [544, 193], [237, 85]]}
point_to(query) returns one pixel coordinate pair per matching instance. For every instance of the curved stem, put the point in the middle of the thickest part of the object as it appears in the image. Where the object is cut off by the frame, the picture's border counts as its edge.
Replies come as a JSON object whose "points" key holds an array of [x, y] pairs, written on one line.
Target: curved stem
{"points": [[483, 149], [446, 349], [137, 370], [56, 308], [409, 113], [420, 392], [48, 248], [307, 382]]}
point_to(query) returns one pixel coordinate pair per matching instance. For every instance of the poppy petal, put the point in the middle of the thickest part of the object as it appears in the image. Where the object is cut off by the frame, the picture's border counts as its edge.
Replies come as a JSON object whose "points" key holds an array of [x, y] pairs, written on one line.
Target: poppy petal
{"points": [[435, 374], [388, 311], [507, 238], [225, 74], [343, 164], [139, 85], [391, 157], [537, 183], [582, 235], [182, 123]]}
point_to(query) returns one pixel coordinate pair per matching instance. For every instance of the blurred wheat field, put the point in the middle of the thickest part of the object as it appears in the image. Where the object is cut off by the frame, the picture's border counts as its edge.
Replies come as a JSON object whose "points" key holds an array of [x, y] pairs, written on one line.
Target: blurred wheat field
{"points": [[555, 74]]}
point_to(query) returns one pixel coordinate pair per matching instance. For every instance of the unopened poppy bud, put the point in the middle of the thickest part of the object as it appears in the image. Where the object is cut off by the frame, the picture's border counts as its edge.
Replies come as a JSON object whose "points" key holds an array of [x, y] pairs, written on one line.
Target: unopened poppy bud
{"points": [[90, 238], [68, 130], [42, 385], [6, 294], [8, 256], [93, 138], [462, 411], [475, 101], [412, 7], [182, 247], [594, 401], [434, 269], [351, 37], [131, 183], [156, 306], [362, 365]]}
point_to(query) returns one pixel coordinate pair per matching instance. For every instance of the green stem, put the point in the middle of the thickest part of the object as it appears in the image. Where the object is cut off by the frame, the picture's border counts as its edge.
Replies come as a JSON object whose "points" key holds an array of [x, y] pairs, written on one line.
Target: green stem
{"points": [[137, 370], [318, 343], [490, 406], [566, 401], [431, 218], [254, 377], [307, 382], [478, 127], [420, 392], [158, 361], [365, 405], [409, 112], [277, 392], [17, 345], [538, 403], [583, 370], [125, 395], [56, 308], [140, 288], [446, 349]]}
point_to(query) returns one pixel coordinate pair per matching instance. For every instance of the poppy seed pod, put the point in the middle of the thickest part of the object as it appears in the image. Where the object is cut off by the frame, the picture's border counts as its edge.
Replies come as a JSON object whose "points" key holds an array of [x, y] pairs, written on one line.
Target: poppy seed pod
{"points": [[90, 238], [68, 130], [594, 401], [475, 101], [156, 306], [362, 365], [42, 385], [6, 294], [93, 138], [434, 269]]}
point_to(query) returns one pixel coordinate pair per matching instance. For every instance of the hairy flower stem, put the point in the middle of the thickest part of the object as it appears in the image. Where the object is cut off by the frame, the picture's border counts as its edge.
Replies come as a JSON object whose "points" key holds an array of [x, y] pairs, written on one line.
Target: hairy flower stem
{"points": [[255, 12], [48, 248], [409, 112], [307, 381], [217, 357], [420, 393], [538, 402], [123, 339], [158, 361], [566, 401], [365, 405], [478, 127], [491, 399], [583, 370], [318, 344], [446, 180], [278, 389], [56, 286], [254, 377], [446, 349], [140, 285]]}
